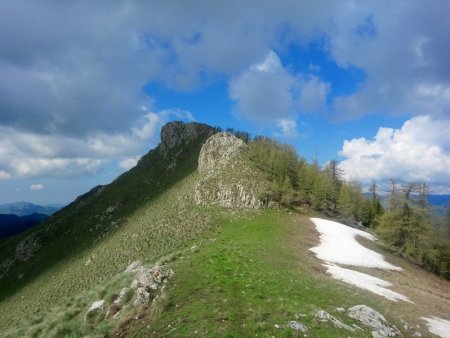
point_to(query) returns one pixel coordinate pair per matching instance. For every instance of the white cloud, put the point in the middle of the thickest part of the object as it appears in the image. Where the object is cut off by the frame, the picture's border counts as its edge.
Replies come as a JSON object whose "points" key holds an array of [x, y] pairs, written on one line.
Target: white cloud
{"points": [[418, 151], [264, 92], [313, 94], [37, 186], [28, 154], [288, 128], [128, 163]]}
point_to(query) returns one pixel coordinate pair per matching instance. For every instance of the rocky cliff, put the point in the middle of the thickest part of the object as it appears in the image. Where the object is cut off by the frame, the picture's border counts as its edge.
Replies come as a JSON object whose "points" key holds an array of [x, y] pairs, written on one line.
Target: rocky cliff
{"points": [[227, 178]]}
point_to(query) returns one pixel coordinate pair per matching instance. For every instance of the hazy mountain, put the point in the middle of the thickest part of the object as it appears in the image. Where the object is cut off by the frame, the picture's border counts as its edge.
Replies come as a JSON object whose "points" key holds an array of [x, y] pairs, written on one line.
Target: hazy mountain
{"points": [[26, 208]]}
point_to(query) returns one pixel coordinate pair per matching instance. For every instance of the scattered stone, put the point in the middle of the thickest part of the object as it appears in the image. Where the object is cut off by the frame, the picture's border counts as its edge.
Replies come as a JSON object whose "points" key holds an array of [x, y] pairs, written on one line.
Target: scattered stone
{"points": [[373, 320], [294, 325], [117, 315], [340, 309], [277, 326], [96, 306], [326, 317], [417, 334]]}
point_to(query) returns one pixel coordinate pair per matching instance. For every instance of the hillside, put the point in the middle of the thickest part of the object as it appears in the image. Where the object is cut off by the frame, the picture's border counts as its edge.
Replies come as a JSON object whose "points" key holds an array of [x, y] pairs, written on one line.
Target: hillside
{"points": [[199, 239]]}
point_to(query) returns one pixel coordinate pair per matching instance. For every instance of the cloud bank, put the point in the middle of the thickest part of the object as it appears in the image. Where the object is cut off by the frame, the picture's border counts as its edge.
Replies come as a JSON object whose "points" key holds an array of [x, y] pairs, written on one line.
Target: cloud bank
{"points": [[418, 151]]}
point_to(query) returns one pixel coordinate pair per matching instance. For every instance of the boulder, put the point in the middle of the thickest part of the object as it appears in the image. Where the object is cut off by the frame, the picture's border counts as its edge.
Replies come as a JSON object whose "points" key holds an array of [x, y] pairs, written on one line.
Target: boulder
{"points": [[294, 325], [96, 307], [374, 320]]}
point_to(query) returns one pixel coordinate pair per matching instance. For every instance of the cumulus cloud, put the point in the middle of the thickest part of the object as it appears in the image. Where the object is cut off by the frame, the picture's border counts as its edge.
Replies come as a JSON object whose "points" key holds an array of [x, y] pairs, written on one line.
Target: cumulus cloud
{"points": [[128, 163], [37, 186], [265, 91], [268, 94], [418, 151], [27, 154]]}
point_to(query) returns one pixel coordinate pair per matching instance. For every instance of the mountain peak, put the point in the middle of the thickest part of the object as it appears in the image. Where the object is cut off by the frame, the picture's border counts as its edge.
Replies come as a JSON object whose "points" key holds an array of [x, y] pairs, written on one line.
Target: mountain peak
{"points": [[177, 133]]}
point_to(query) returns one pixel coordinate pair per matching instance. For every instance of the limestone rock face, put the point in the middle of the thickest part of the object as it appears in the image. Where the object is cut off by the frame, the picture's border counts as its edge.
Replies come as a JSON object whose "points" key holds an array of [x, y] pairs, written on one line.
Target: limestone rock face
{"points": [[219, 152], [374, 320], [27, 248], [227, 181], [175, 134]]}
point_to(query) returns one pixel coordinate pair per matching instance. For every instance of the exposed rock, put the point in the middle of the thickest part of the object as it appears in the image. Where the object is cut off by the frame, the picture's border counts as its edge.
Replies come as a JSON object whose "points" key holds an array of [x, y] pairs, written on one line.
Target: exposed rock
{"points": [[133, 266], [121, 296], [340, 309], [297, 326], [149, 281], [373, 320], [219, 152], [175, 134], [227, 180], [97, 306], [28, 247], [5, 266], [142, 296], [134, 284], [325, 316]]}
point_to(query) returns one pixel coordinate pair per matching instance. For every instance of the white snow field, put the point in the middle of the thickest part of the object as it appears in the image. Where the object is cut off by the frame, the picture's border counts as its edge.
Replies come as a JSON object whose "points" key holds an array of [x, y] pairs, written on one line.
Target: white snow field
{"points": [[338, 245], [438, 326]]}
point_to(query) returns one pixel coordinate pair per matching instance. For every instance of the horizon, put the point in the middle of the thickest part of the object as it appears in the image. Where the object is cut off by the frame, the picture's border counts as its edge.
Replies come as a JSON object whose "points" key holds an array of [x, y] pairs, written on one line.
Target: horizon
{"points": [[86, 87]]}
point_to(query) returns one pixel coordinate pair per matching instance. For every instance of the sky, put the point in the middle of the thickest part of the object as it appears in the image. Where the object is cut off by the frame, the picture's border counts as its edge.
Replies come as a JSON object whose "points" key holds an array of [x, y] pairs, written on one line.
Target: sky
{"points": [[86, 86]]}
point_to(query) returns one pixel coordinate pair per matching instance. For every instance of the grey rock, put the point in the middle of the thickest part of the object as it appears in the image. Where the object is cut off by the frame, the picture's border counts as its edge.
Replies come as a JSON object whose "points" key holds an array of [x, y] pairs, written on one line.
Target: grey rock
{"points": [[133, 267], [121, 296], [176, 134], [294, 325], [96, 306], [325, 316], [219, 159], [142, 296], [28, 247], [134, 284], [374, 320]]}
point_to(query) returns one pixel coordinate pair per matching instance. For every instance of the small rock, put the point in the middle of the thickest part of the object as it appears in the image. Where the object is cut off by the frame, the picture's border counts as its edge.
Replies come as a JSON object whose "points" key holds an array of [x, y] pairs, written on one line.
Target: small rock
{"points": [[340, 309], [116, 315], [95, 307], [417, 334], [374, 320], [297, 326], [277, 326]]}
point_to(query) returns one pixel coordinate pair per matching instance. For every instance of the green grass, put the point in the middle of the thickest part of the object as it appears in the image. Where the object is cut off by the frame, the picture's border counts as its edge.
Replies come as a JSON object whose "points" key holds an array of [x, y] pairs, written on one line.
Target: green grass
{"points": [[246, 279]]}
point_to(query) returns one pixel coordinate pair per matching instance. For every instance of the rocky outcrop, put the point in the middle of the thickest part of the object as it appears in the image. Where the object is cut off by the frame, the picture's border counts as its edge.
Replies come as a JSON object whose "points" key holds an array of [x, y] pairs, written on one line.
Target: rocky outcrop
{"points": [[374, 320], [28, 247], [227, 180], [176, 134], [148, 281]]}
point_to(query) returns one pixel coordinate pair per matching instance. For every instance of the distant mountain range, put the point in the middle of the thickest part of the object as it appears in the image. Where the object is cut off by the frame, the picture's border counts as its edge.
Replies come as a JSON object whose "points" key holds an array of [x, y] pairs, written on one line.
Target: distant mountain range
{"points": [[20, 216], [26, 208]]}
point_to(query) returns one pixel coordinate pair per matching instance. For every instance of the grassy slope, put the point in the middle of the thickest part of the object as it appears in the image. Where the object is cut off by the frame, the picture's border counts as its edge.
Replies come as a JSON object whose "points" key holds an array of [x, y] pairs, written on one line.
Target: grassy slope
{"points": [[251, 274], [85, 244]]}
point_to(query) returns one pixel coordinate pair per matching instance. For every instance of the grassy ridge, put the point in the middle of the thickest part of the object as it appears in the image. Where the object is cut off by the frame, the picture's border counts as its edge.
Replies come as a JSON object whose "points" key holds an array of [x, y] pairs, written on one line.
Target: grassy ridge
{"points": [[246, 278]]}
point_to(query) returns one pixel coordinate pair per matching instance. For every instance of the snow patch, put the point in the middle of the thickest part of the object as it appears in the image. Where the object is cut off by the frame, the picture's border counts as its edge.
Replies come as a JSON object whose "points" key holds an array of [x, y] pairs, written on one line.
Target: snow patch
{"points": [[365, 281], [338, 245], [438, 326]]}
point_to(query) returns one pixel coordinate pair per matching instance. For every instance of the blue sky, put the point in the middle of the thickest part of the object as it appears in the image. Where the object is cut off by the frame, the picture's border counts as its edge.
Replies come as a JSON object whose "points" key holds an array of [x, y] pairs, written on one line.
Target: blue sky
{"points": [[87, 86]]}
